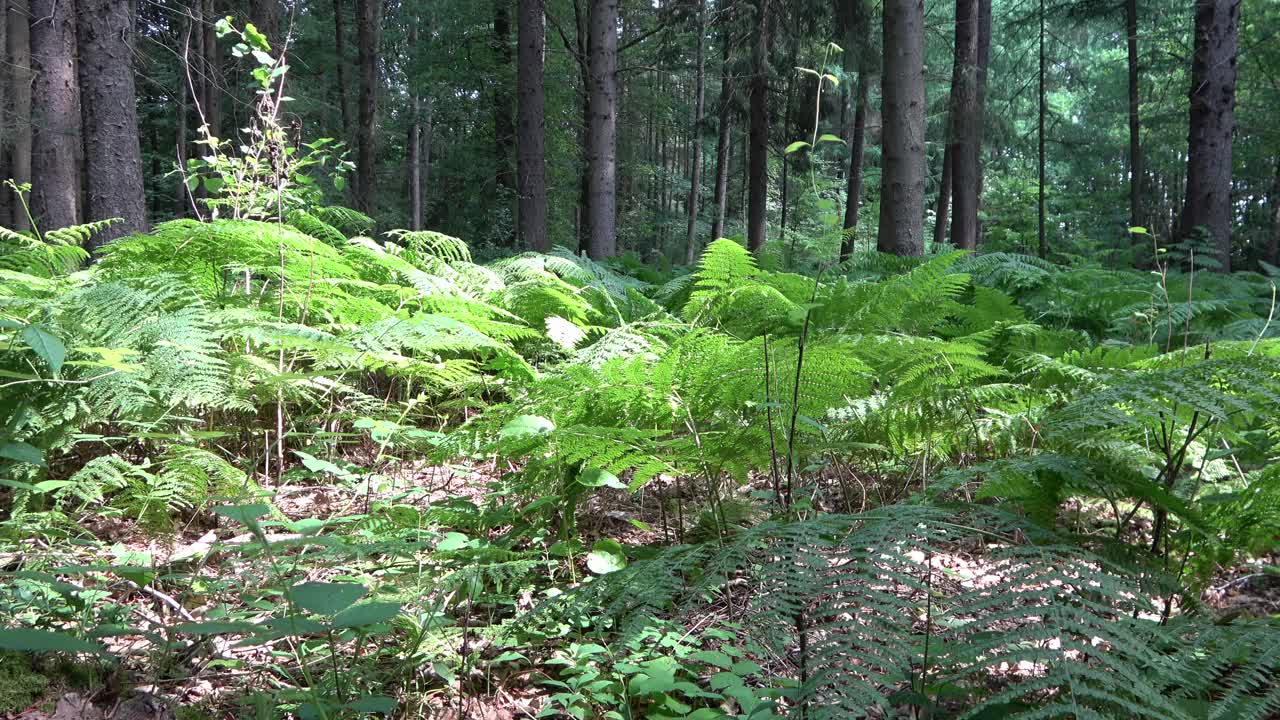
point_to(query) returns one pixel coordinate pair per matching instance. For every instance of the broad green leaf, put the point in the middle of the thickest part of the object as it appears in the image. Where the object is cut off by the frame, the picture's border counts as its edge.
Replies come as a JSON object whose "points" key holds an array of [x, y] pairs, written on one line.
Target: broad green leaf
{"points": [[325, 598], [47, 346], [369, 613], [243, 514], [598, 477], [796, 146], [526, 425], [215, 627], [24, 640], [21, 452], [452, 541], [606, 556], [379, 704], [828, 137]]}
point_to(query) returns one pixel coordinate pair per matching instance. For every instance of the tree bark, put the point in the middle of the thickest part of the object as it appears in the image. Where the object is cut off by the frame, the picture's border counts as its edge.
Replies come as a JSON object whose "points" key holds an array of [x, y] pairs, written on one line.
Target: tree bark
{"points": [[758, 170], [19, 54], [504, 131], [414, 142], [531, 171], [901, 230], [368, 19], [695, 170], [724, 142], [857, 153], [180, 131], [1136, 217], [340, 49], [602, 148], [1273, 202], [1212, 124], [55, 175], [212, 74], [1043, 244], [943, 211], [265, 15], [980, 121], [113, 157], [964, 128]]}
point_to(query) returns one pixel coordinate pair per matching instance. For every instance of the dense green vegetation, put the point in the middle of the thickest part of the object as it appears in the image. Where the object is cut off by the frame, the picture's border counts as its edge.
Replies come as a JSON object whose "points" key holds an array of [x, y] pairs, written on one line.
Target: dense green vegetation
{"points": [[262, 456]]}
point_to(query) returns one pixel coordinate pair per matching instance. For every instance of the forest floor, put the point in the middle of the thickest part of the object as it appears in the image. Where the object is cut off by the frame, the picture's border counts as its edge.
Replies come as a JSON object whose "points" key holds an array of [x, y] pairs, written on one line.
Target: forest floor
{"points": [[206, 679]]}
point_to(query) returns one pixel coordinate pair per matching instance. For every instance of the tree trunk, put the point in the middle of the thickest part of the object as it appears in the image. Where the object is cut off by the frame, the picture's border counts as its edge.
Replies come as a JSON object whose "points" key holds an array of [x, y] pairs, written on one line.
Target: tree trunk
{"points": [[724, 142], [340, 49], [113, 157], [964, 128], [1043, 244], [19, 49], [368, 19], [1273, 203], [785, 182], [1213, 99], [857, 152], [504, 132], [901, 229], [55, 175], [414, 142], [602, 149], [980, 122], [265, 15], [1136, 217], [695, 170], [180, 132], [7, 206], [531, 171], [212, 73], [758, 172], [943, 211]]}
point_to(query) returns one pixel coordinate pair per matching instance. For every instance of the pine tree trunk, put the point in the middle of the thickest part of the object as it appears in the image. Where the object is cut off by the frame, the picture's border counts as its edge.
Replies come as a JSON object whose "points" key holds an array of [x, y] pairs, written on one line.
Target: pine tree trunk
{"points": [[695, 162], [1136, 216], [180, 132], [980, 122], [6, 122], [368, 18], [1041, 210], [1213, 94], [857, 153], [531, 172], [414, 143], [901, 230], [19, 54], [943, 210], [724, 142], [340, 50], [602, 145], [265, 15], [55, 114], [964, 128], [212, 73], [758, 170], [504, 132], [113, 157]]}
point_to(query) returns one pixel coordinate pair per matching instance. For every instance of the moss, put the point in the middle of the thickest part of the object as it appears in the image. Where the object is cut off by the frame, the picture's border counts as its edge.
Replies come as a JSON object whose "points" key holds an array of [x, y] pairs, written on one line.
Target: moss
{"points": [[20, 685]]}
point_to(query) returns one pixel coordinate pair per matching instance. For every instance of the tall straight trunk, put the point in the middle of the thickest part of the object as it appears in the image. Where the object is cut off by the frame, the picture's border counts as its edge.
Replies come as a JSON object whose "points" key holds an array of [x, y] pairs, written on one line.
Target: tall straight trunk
{"points": [[901, 230], [758, 170], [265, 15], [531, 162], [943, 210], [180, 131], [414, 142], [113, 157], [1136, 217], [212, 71], [964, 128], [368, 18], [602, 161], [55, 114], [504, 131], [857, 153], [695, 161], [724, 141], [1273, 204], [6, 126], [582, 39], [340, 49], [786, 135], [1213, 121], [980, 121], [19, 53], [1043, 245]]}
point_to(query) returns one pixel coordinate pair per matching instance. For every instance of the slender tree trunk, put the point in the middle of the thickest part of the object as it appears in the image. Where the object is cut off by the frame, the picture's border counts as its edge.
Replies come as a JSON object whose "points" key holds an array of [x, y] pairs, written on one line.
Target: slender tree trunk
{"points": [[1213, 122], [19, 49], [758, 172], [56, 117], [964, 128], [980, 121], [265, 15], [1136, 216], [504, 131], [212, 99], [1273, 204], [368, 19], [414, 142], [786, 138], [531, 172], [113, 157], [180, 133], [7, 206], [1043, 245], [724, 142], [857, 153], [602, 166], [581, 21], [340, 49], [695, 170], [943, 210], [901, 229]]}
